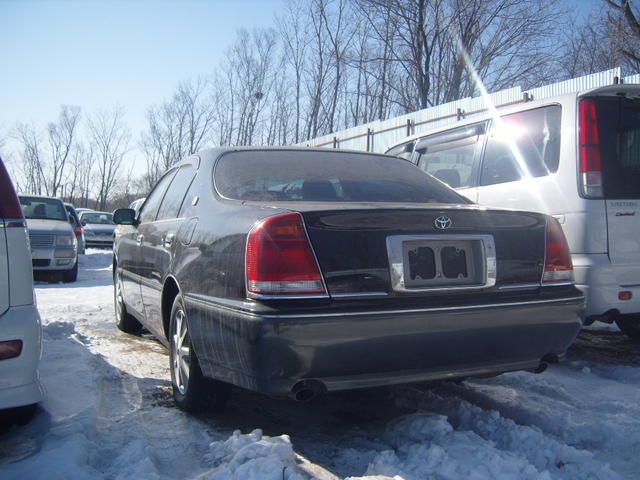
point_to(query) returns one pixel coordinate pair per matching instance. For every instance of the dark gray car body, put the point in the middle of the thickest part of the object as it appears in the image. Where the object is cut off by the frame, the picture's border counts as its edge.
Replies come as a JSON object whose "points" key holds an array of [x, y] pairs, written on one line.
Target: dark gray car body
{"points": [[363, 333]]}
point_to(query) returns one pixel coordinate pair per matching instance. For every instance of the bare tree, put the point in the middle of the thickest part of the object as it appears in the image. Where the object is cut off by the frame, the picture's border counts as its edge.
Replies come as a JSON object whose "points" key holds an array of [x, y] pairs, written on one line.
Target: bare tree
{"points": [[293, 32], [178, 127], [624, 22], [33, 163], [61, 136], [110, 138], [607, 38]]}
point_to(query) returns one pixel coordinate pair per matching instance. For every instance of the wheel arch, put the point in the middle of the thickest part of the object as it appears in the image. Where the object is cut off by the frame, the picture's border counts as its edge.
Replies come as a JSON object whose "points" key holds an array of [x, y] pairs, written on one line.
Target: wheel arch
{"points": [[170, 291]]}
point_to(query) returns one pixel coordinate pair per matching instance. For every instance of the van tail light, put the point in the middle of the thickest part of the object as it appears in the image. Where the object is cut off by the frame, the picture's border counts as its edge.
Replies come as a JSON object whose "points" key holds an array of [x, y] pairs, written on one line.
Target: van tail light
{"points": [[280, 260], [558, 266], [9, 203], [590, 153], [78, 231]]}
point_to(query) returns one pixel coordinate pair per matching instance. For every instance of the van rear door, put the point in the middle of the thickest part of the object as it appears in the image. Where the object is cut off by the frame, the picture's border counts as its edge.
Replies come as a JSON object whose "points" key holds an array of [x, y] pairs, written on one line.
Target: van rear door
{"points": [[4, 271], [618, 120]]}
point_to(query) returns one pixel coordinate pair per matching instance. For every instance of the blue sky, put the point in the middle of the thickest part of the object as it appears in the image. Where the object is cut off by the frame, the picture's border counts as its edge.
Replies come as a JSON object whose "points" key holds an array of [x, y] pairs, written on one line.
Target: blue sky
{"points": [[99, 54]]}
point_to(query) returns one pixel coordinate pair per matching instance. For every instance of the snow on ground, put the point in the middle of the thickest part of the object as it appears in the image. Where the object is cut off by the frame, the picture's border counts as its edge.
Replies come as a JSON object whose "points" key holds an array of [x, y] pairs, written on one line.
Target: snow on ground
{"points": [[109, 414]]}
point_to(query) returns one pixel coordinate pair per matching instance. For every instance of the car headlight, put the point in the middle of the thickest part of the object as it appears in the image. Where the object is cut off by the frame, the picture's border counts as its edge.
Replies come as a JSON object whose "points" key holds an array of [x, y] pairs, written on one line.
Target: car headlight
{"points": [[65, 240]]}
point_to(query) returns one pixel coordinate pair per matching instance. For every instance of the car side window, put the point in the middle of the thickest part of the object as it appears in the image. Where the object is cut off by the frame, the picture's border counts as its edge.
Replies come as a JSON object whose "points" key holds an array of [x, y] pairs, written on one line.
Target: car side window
{"points": [[188, 208], [521, 145], [150, 207], [172, 201], [452, 156]]}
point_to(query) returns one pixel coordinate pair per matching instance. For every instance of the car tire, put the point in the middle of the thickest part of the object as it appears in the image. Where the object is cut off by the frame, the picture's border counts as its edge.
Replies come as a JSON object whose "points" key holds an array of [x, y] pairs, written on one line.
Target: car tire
{"points": [[72, 275], [630, 326], [192, 392], [17, 416], [124, 320]]}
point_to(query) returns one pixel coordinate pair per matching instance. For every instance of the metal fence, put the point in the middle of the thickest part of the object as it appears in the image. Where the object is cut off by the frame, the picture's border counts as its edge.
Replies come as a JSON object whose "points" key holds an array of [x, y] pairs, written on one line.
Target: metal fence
{"points": [[378, 136]]}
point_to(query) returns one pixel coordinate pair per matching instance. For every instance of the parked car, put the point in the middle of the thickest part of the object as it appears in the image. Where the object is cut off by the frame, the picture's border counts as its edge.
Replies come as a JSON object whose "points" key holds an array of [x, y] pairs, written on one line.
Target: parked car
{"points": [[297, 271], [136, 204], [53, 243], [77, 227], [20, 328], [80, 211], [575, 157], [99, 229]]}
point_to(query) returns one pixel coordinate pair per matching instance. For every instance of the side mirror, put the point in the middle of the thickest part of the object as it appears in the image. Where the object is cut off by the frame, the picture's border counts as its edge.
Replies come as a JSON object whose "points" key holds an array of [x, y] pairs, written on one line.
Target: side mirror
{"points": [[124, 216], [71, 220]]}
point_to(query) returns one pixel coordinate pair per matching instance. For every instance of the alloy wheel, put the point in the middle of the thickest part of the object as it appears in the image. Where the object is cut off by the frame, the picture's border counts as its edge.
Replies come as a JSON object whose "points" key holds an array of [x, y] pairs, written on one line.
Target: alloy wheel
{"points": [[181, 352]]}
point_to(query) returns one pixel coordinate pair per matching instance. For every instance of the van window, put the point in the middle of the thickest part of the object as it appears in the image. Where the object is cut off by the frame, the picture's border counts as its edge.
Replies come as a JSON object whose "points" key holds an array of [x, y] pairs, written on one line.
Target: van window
{"points": [[523, 144], [176, 193], [452, 156], [403, 150], [619, 126]]}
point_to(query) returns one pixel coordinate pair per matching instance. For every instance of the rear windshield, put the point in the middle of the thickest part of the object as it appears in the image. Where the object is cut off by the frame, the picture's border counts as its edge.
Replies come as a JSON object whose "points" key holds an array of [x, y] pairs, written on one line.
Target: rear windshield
{"points": [[326, 176], [619, 121], [43, 208], [96, 218]]}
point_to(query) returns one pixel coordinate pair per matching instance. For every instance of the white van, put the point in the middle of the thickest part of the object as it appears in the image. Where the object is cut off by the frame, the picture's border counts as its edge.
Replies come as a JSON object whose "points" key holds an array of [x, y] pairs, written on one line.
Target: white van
{"points": [[20, 329], [576, 157]]}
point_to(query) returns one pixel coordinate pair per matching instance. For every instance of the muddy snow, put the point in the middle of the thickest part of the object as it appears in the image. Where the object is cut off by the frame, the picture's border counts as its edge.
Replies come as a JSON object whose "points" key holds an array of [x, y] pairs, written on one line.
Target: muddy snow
{"points": [[109, 414]]}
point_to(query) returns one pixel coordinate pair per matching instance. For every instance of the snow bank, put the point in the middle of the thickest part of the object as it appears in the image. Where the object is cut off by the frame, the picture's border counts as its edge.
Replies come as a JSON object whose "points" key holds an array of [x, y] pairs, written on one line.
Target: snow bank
{"points": [[252, 457]]}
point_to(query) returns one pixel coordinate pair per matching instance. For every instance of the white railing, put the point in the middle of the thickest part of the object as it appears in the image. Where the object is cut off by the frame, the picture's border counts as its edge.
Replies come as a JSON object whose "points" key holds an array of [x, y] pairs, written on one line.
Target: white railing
{"points": [[378, 136]]}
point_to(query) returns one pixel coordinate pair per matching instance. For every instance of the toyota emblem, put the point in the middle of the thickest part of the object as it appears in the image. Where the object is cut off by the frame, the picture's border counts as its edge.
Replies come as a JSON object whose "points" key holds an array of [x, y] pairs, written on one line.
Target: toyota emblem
{"points": [[442, 223]]}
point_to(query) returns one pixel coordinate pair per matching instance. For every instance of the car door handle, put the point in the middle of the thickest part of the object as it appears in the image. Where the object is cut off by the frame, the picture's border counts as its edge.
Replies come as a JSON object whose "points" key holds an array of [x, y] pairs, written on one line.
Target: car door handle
{"points": [[139, 239], [167, 240]]}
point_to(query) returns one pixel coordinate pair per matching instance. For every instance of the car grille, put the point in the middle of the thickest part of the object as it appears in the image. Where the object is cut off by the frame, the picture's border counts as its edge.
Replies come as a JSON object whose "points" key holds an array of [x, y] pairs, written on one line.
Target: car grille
{"points": [[40, 240], [40, 263]]}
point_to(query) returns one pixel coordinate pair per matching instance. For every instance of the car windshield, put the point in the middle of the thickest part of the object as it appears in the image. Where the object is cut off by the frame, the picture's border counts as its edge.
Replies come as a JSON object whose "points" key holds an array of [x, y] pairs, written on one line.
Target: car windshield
{"points": [[326, 176], [43, 208], [97, 218]]}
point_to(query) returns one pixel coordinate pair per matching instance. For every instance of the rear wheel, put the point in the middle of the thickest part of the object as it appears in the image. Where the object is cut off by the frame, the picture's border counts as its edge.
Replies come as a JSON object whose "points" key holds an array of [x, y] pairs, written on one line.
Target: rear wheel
{"points": [[17, 416], [630, 325], [72, 275], [192, 392], [124, 321]]}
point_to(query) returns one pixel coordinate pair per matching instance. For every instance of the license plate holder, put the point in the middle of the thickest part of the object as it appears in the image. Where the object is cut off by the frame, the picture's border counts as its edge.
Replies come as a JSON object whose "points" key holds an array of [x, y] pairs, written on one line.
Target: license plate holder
{"points": [[441, 262]]}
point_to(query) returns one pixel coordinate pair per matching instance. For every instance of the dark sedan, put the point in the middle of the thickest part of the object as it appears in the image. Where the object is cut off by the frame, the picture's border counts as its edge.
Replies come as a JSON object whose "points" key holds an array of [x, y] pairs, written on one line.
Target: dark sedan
{"points": [[298, 271]]}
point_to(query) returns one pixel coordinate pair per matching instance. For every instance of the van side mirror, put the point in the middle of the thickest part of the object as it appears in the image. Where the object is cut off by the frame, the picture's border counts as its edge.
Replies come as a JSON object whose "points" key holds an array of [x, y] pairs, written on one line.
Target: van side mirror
{"points": [[124, 216]]}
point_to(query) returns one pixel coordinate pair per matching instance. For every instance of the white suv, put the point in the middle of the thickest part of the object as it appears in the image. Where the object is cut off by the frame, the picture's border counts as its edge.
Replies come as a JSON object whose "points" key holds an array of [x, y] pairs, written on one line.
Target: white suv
{"points": [[576, 157], [20, 329]]}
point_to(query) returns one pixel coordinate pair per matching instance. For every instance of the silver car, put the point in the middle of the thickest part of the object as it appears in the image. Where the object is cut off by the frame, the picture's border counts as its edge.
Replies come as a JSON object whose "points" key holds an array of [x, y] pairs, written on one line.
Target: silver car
{"points": [[77, 227], [54, 246], [98, 229]]}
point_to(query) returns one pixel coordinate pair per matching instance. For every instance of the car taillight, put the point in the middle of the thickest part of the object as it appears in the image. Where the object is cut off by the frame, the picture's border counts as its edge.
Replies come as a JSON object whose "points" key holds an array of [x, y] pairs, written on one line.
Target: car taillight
{"points": [[9, 203], [590, 154], [78, 231], [280, 260], [558, 266]]}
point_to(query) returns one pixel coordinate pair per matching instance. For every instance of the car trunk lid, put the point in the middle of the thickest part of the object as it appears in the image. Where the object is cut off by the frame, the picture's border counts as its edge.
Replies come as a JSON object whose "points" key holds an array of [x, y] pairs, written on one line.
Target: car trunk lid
{"points": [[363, 251]]}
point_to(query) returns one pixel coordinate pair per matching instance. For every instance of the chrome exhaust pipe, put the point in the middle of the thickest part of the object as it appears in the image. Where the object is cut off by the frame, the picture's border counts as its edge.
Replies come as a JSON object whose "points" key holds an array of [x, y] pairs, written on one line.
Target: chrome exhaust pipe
{"points": [[307, 390], [548, 359]]}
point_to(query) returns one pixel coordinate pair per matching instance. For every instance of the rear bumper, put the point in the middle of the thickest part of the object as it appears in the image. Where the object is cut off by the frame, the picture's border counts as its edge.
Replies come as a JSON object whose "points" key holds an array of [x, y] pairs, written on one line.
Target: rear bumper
{"points": [[270, 353], [601, 281], [19, 381]]}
